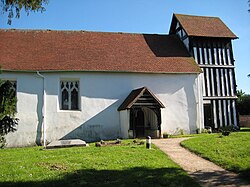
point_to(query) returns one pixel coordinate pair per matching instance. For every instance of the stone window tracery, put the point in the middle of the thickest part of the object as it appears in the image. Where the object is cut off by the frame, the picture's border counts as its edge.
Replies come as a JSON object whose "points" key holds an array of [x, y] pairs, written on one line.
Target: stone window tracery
{"points": [[69, 95]]}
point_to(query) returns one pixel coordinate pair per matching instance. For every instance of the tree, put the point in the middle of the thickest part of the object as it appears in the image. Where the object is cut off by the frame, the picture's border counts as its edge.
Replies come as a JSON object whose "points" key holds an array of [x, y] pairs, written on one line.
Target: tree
{"points": [[14, 7], [249, 5], [240, 94], [243, 103], [8, 122]]}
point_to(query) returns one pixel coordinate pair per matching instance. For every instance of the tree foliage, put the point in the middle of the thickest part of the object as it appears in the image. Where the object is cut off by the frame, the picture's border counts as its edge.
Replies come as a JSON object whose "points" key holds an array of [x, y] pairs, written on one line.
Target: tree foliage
{"points": [[243, 103], [14, 7], [249, 5], [8, 122]]}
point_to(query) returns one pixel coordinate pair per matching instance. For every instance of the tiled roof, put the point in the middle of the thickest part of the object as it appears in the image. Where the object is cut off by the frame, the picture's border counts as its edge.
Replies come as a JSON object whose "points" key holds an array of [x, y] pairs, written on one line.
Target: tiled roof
{"points": [[204, 26], [135, 95], [42, 50]]}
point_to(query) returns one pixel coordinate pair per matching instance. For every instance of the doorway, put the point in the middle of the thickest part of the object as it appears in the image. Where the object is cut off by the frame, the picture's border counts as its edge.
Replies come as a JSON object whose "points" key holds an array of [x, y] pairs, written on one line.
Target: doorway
{"points": [[145, 121], [139, 123], [208, 117]]}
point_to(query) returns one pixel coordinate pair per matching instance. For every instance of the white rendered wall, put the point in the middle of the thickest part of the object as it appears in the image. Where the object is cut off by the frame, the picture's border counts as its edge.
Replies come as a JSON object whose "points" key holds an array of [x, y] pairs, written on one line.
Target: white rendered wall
{"points": [[124, 121], [101, 95], [29, 109]]}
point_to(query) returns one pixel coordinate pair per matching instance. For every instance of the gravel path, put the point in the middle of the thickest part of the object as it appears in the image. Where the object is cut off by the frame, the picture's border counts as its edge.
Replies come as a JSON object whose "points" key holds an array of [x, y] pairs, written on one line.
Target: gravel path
{"points": [[204, 172]]}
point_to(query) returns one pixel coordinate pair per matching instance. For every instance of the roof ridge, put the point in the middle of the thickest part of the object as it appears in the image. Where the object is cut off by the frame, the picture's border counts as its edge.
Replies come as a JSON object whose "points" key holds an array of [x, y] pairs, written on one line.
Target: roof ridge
{"points": [[77, 31], [189, 15]]}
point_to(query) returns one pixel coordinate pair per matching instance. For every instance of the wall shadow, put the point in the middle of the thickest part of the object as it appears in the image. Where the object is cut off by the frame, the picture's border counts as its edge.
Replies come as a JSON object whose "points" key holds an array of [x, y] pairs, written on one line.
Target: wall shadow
{"points": [[166, 45], [98, 127], [39, 129], [138, 176]]}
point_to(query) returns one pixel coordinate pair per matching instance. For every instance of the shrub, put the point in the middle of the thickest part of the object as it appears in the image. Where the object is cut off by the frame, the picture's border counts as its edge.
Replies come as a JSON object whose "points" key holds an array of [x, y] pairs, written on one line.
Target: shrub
{"points": [[8, 122], [166, 135], [2, 141], [230, 128]]}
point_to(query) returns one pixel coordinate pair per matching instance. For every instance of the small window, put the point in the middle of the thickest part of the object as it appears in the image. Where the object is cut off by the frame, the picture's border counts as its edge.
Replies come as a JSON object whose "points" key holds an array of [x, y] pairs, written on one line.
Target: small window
{"points": [[69, 95]]}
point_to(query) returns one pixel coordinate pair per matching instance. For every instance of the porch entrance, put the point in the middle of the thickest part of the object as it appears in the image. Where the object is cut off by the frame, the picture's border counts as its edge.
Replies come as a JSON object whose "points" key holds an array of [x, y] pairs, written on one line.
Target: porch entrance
{"points": [[145, 121], [144, 113]]}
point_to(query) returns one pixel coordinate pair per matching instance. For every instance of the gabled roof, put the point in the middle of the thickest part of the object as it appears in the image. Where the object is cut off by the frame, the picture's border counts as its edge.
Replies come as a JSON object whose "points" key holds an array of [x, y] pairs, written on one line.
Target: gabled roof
{"points": [[135, 96], [41, 50], [202, 26]]}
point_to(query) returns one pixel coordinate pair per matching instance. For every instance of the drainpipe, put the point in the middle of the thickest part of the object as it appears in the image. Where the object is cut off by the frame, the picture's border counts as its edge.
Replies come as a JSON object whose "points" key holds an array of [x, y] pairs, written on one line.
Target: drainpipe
{"points": [[43, 109]]}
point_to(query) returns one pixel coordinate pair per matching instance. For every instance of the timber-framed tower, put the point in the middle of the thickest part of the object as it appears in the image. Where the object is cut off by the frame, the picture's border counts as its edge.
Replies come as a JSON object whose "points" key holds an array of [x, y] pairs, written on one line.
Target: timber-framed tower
{"points": [[209, 41]]}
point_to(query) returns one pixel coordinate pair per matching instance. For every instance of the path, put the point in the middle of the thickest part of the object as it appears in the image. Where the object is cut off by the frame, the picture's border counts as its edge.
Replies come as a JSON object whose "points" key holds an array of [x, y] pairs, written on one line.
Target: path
{"points": [[203, 171]]}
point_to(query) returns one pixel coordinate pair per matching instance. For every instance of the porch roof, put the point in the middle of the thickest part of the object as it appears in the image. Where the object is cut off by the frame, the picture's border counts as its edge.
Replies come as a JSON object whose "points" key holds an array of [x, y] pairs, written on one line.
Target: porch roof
{"points": [[135, 98]]}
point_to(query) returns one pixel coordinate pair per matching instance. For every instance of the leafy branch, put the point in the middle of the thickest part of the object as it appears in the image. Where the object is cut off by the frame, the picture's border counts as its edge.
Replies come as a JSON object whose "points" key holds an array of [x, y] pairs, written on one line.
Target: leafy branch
{"points": [[14, 7]]}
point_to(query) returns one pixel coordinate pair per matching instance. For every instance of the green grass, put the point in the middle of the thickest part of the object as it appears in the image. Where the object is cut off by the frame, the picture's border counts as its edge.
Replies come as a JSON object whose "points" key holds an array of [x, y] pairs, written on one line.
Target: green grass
{"points": [[231, 152], [131, 165]]}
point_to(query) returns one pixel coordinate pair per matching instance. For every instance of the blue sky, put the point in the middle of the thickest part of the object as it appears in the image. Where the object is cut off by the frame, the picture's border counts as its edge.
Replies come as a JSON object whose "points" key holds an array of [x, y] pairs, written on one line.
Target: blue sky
{"points": [[143, 16]]}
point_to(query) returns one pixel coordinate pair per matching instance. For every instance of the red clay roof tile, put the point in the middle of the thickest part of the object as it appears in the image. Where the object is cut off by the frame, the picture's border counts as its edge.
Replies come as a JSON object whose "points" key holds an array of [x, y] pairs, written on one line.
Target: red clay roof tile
{"points": [[204, 26], [41, 50]]}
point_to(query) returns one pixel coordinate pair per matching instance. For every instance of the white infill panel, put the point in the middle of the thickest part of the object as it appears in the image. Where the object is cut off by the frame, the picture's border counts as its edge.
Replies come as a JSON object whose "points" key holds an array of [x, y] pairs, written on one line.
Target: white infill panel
{"points": [[205, 55], [220, 112], [215, 56], [200, 54], [229, 112], [222, 82], [220, 59], [203, 83], [227, 83], [224, 56], [234, 113], [208, 82], [218, 82], [210, 61], [231, 81], [225, 112], [195, 54], [228, 57], [212, 81], [215, 114]]}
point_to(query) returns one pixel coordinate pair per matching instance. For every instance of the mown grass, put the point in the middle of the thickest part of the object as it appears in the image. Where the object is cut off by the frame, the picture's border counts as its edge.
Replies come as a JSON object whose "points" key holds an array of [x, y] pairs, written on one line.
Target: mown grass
{"points": [[130, 165], [231, 152]]}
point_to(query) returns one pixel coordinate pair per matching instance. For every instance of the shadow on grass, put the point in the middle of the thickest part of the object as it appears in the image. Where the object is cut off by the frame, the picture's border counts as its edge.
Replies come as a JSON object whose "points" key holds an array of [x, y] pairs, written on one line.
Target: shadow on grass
{"points": [[219, 178], [139, 176], [244, 129]]}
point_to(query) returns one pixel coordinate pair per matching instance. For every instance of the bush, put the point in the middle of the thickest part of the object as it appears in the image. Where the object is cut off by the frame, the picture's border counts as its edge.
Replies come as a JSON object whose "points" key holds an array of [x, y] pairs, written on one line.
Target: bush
{"points": [[8, 122], [203, 131], [2, 141], [225, 133], [243, 104], [230, 128], [166, 135]]}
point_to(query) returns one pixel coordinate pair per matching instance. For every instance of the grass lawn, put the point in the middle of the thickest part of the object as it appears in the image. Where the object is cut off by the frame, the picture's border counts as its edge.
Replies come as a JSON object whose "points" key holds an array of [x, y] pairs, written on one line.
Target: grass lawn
{"points": [[130, 165], [231, 152]]}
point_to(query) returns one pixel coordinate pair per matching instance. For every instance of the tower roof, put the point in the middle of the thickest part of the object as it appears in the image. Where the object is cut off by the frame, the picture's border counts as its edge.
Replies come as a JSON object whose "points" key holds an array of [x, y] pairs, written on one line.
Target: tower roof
{"points": [[202, 26]]}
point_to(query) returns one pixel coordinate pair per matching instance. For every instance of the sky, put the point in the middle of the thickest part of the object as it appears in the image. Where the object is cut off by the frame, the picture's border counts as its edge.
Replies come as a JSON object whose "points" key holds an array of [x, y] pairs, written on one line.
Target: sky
{"points": [[142, 16]]}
